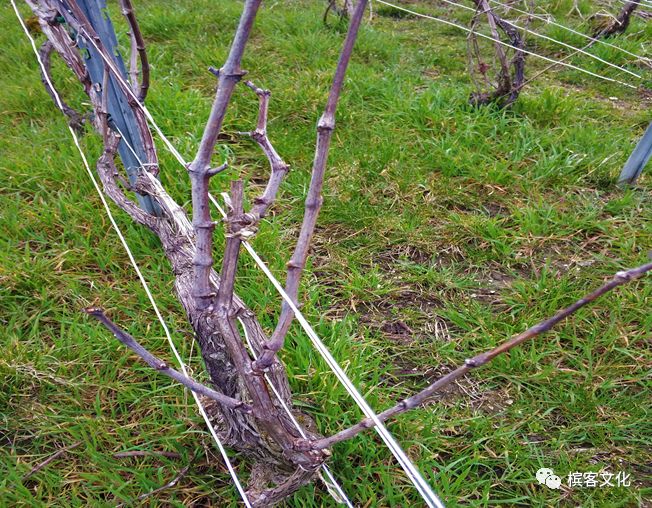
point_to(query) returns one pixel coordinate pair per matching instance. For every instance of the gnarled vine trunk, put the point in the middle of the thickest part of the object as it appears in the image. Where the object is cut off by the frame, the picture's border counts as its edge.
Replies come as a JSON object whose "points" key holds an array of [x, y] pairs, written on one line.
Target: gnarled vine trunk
{"points": [[266, 434], [510, 76], [286, 455]]}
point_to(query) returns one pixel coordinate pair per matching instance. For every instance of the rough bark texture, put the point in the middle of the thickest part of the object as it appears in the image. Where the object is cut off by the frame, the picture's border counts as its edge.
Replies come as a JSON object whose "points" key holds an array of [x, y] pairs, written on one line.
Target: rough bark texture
{"points": [[243, 432], [267, 435], [244, 413], [263, 432], [510, 76], [618, 24]]}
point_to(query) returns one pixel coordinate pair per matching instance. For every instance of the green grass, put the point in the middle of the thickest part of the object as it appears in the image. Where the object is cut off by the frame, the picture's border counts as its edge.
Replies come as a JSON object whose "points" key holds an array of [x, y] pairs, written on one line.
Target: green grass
{"points": [[445, 229]]}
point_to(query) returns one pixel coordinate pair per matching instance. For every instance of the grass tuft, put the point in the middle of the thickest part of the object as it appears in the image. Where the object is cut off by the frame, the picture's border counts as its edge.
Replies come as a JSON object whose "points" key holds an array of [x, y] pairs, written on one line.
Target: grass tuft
{"points": [[444, 230]]}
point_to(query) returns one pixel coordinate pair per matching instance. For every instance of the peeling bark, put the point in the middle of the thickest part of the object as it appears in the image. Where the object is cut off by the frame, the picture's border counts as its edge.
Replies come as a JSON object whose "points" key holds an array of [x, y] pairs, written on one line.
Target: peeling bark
{"points": [[510, 77], [263, 432], [245, 415]]}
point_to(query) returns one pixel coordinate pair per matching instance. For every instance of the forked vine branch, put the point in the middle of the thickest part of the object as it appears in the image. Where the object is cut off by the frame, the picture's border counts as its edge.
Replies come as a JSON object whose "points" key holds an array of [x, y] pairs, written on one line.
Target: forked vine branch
{"points": [[246, 415]]}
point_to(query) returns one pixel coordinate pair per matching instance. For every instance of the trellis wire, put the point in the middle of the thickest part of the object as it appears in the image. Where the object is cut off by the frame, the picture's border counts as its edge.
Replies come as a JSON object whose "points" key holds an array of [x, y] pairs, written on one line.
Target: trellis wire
{"points": [[537, 34], [340, 491], [546, 19], [450, 23], [406, 464], [133, 261]]}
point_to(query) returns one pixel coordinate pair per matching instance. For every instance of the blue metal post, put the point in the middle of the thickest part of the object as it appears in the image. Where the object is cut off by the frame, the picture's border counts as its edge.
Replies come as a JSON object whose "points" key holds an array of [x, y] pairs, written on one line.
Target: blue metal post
{"points": [[637, 160], [121, 115]]}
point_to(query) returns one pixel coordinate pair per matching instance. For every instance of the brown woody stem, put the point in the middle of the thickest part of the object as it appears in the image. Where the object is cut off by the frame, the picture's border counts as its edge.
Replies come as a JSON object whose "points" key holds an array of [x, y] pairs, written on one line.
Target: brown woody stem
{"points": [[229, 75], [263, 434], [77, 20], [264, 409], [106, 168], [325, 128], [620, 23], [483, 358], [75, 119], [278, 167], [50, 459], [137, 51], [163, 367]]}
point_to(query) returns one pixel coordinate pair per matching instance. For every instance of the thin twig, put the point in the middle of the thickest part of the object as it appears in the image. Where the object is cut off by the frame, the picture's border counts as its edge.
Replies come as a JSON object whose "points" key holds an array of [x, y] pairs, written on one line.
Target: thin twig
{"points": [[137, 48], [163, 367], [144, 453], [477, 361], [172, 483], [51, 458], [106, 167], [325, 128], [278, 167]]}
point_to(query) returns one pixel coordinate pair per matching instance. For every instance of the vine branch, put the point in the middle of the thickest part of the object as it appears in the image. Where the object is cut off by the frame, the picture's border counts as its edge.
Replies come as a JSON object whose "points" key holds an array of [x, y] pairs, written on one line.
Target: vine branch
{"points": [[325, 128], [416, 400], [618, 24], [229, 75], [137, 51], [278, 167], [75, 119], [163, 367]]}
